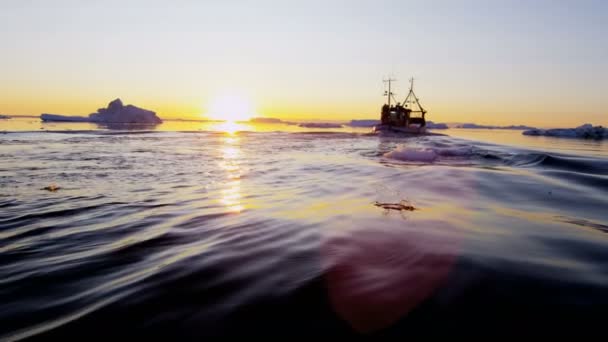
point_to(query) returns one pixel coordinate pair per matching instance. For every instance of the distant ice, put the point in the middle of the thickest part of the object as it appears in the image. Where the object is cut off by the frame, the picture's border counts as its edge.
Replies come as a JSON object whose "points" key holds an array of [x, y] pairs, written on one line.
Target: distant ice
{"points": [[115, 113], [516, 127], [586, 131], [320, 125], [265, 120], [476, 126], [472, 126], [64, 118], [364, 123], [432, 125]]}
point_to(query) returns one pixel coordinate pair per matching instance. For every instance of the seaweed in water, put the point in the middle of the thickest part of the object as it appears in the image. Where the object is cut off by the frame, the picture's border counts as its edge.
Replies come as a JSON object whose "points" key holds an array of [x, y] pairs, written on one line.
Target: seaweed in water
{"points": [[51, 188], [403, 205]]}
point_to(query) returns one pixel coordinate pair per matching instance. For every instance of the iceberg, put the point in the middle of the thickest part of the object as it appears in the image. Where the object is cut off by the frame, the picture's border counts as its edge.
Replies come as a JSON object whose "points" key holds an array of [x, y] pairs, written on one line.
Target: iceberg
{"points": [[586, 131], [116, 112]]}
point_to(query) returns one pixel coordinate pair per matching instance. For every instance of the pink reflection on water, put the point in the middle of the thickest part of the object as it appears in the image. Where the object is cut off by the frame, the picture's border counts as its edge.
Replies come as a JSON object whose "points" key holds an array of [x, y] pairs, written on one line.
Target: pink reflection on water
{"points": [[376, 277]]}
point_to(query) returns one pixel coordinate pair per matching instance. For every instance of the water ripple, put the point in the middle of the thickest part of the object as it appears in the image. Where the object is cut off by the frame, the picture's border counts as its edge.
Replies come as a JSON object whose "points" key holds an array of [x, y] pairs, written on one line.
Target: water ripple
{"points": [[277, 233]]}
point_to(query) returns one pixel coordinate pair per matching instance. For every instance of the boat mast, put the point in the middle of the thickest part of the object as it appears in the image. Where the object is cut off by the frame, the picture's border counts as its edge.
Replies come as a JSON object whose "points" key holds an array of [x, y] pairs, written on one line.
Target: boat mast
{"points": [[411, 93], [389, 93]]}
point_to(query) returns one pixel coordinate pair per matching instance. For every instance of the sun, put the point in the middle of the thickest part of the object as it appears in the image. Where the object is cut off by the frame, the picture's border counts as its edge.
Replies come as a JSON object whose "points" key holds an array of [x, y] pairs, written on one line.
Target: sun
{"points": [[230, 107]]}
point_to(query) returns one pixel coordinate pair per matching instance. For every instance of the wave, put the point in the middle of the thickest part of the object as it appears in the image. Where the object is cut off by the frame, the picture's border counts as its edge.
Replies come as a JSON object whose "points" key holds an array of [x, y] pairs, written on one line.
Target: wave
{"points": [[190, 234], [428, 154], [448, 150], [559, 162]]}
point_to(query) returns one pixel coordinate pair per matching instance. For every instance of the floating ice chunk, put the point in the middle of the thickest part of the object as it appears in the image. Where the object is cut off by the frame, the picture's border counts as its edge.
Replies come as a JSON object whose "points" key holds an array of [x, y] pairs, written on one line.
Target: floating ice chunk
{"points": [[586, 131], [416, 155], [320, 125]]}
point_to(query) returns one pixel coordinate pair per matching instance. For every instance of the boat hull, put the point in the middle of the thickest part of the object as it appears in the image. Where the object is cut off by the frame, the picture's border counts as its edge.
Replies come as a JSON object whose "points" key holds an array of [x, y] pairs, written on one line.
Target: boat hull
{"points": [[400, 129]]}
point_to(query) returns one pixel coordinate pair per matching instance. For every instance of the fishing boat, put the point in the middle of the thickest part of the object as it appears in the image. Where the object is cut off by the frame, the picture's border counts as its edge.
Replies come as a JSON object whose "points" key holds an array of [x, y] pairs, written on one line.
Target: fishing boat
{"points": [[405, 117]]}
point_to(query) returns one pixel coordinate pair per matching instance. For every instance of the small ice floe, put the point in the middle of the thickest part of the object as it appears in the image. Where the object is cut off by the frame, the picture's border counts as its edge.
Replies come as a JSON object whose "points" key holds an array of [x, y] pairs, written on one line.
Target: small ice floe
{"points": [[51, 188], [320, 125], [586, 131]]}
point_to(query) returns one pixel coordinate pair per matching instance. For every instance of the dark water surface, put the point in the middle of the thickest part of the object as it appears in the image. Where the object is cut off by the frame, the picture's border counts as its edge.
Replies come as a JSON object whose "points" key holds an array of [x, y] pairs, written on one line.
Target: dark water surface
{"points": [[185, 235]]}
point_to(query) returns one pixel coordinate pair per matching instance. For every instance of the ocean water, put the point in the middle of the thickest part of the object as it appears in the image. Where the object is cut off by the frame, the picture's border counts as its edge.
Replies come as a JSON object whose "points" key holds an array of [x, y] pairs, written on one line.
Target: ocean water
{"points": [[185, 234]]}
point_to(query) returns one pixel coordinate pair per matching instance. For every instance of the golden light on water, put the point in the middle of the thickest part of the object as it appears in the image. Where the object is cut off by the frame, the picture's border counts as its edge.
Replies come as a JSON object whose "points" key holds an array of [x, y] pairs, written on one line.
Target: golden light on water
{"points": [[231, 127], [231, 196], [231, 193]]}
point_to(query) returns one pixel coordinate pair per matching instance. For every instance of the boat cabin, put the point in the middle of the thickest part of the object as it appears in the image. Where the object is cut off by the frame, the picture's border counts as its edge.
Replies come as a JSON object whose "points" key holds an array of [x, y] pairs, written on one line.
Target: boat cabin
{"points": [[407, 114], [399, 115]]}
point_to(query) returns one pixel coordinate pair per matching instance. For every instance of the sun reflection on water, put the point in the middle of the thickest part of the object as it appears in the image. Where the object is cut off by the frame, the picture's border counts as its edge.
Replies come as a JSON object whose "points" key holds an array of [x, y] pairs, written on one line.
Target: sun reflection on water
{"points": [[231, 127], [230, 162]]}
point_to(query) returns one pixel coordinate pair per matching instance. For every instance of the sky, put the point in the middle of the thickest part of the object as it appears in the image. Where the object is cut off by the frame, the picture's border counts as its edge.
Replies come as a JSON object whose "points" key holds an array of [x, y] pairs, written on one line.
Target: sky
{"points": [[542, 63]]}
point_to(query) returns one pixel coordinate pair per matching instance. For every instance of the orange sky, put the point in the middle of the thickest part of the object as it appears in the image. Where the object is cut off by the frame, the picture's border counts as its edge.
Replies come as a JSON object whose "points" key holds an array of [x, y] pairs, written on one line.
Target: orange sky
{"points": [[491, 63]]}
